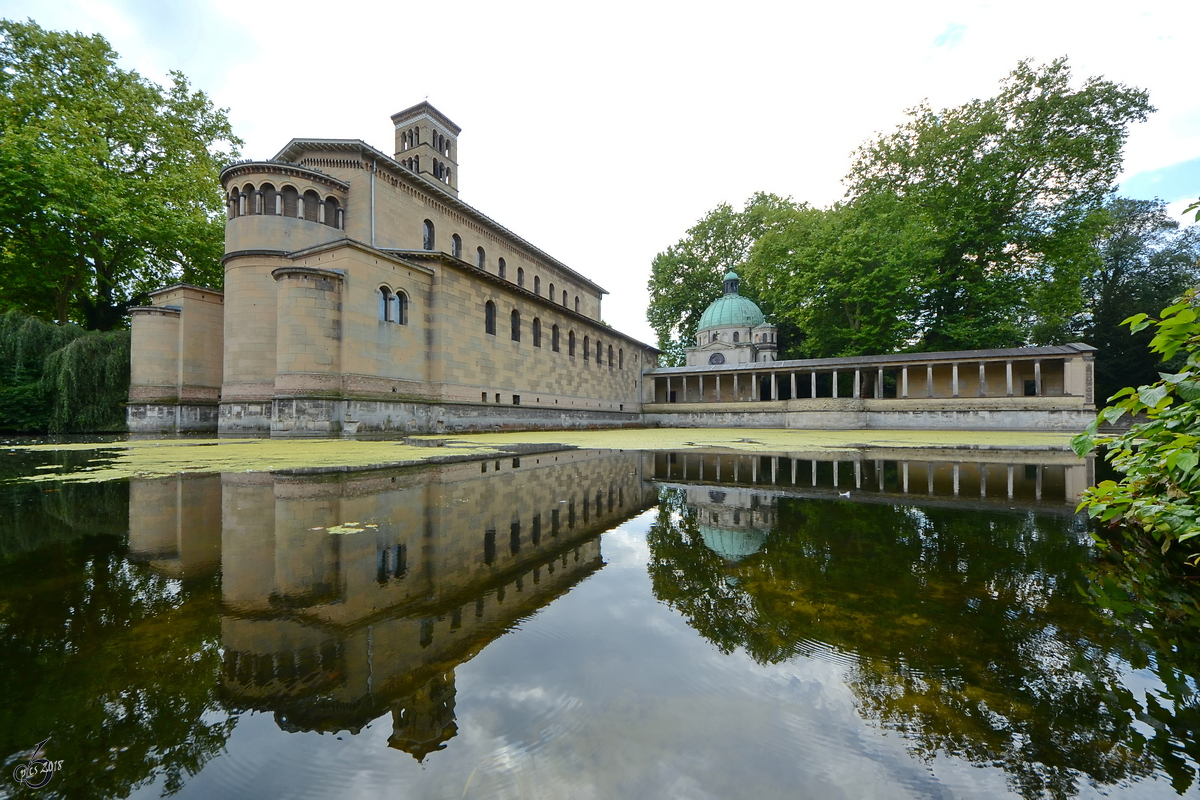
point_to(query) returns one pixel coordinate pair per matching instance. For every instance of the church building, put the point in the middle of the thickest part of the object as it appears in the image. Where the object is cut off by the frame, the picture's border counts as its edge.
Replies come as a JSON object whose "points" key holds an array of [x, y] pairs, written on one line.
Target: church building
{"points": [[361, 295], [733, 331]]}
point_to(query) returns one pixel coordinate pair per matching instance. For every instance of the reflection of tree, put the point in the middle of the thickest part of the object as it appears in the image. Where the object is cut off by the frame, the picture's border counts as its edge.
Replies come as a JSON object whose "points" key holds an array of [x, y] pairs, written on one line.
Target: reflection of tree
{"points": [[969, 634], [116, 664], [1145, 595]]}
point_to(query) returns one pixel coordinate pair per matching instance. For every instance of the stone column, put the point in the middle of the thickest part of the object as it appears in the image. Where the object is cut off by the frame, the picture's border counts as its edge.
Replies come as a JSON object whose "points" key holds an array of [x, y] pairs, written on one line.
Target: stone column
{"points": [[954, 381], [774, 386], [856, 391], [793, 376], [1008, 377], [668, 388], [736, 394], [1037, 377], [1010, 481], [835, 383], [929, 381], [904, 472], [904, 383], [700, 378], [982, 379], [956, 479], [879, 384], [718, 387], [813, 375]]}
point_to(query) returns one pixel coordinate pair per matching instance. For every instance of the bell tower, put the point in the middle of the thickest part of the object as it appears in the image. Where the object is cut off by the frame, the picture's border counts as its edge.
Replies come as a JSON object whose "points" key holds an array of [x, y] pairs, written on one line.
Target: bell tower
{"points": [[427, 143]]}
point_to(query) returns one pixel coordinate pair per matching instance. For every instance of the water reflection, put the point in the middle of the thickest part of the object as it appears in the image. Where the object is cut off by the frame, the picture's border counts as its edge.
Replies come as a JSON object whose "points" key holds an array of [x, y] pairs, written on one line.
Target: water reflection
{"points": [[940, 599], [966, 635], [347, 596]]}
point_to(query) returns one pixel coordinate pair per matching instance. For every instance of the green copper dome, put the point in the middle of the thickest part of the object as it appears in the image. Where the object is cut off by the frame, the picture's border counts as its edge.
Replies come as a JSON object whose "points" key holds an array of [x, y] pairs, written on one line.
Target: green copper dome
{"points": [[732, 309]]}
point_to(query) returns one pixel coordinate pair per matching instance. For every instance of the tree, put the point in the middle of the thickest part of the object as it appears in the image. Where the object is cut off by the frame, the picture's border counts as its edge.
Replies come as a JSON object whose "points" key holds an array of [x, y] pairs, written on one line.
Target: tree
{"points": [[1145, 262], [111, 181], [686, 277], [1157, 501], [1009, 193], [841, 276]]}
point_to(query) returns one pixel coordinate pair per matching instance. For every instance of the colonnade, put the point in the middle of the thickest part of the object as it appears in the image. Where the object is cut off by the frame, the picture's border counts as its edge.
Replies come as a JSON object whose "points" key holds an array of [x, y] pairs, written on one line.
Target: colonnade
{"points": [[1066, 372]]}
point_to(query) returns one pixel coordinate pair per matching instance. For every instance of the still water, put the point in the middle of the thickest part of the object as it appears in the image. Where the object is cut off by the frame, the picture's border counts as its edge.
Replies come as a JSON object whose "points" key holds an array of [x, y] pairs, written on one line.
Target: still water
{"points": [[582, 624]]}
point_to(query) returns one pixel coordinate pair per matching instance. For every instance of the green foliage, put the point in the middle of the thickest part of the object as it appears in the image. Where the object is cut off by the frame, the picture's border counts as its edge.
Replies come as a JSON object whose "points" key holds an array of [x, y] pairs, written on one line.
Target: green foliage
{"points": [[967, 227], [1009, 192], [60, 378], [1156, 500], [686, 277], [1146, 261], [110, 181]]}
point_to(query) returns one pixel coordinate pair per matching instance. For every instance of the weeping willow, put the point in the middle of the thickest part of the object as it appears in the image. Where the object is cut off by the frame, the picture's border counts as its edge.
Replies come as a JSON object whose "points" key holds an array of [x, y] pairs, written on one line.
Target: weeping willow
{"points": [[61, 378]]}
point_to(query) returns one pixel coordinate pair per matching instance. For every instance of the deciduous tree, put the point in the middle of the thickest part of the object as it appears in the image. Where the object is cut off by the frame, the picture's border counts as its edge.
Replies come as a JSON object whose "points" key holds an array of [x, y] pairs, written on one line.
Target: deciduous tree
{"points": [[109, 180]]}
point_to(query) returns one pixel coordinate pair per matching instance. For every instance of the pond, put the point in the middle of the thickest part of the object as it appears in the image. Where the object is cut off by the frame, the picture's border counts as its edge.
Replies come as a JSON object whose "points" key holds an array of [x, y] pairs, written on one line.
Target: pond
{"points": [[582, 623]]}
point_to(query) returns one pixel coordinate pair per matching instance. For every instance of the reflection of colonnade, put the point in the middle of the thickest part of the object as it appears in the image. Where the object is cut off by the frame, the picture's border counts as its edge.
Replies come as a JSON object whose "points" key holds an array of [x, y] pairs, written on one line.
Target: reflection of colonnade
{"points": [[350, 594], [1011, 478]]}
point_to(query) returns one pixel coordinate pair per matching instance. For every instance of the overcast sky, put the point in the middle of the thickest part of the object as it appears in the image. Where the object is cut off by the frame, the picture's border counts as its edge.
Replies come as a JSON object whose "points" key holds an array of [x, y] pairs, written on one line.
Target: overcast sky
{"points": [[601, 132]]}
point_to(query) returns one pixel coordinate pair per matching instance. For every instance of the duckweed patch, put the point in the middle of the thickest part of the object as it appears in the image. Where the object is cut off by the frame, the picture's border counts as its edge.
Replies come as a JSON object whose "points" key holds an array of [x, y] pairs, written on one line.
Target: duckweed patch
{"points": [[160, 457]]}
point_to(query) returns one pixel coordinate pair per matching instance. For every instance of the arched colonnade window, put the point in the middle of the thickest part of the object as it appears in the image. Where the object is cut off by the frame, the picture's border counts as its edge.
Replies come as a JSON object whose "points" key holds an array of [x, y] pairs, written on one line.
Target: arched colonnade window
{"points": [[285, 201]]}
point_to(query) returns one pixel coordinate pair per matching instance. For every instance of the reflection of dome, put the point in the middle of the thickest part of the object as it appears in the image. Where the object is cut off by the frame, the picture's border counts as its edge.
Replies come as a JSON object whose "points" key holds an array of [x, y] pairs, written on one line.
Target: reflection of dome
{"points": [[732, 545], [731, 309]]}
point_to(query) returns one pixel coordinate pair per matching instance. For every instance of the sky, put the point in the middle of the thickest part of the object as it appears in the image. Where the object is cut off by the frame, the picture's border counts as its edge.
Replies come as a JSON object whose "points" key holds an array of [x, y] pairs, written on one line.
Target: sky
{"points": [[602, 131]]}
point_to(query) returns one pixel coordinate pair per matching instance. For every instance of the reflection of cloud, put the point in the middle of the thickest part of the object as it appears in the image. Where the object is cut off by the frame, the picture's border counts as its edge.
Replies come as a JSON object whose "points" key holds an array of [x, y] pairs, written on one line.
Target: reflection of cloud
{"points": [[950, 37], [1171, 183]]}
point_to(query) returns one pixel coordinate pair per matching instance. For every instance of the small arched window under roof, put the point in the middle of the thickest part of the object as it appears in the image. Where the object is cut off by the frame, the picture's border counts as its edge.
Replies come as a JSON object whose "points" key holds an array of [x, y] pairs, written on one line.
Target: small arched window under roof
{"points": [[427, 241]]}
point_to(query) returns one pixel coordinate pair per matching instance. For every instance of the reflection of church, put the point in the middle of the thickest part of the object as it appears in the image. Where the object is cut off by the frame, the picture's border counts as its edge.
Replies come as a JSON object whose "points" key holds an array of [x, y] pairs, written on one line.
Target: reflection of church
{"points": [[350, 595], [734, 523]]}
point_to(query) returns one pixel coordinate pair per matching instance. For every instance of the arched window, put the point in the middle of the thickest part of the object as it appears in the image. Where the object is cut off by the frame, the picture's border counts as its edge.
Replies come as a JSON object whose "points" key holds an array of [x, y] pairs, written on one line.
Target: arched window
{"points": [[503, 268], [554, 338], [516, 325], [247, 205], [576, 304], [520, 276], [455, 246], [610, 357], [571, 344], [291, 200], [537, 285], [537, 332], [564, 298], [621, 358], [401, 302], [416, 163], [312, 201], [385, 304], [331, 212], [447, 175], [599, 353], [551, 294], [587, 348], [480, 258], [270, 199], [735, 336], [489, 318], [427, 235]]}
